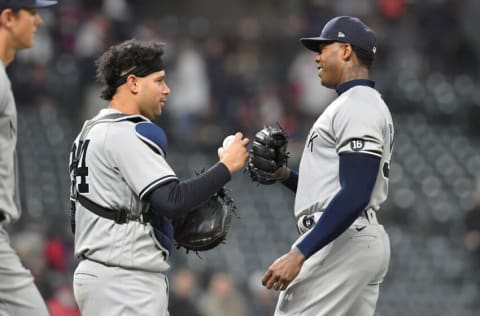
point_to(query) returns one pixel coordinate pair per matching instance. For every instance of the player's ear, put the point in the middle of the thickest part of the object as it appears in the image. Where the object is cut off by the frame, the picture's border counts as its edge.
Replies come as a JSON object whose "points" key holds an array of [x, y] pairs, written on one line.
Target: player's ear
{"points": [[347, 51], [132, 83], [6, 17]]}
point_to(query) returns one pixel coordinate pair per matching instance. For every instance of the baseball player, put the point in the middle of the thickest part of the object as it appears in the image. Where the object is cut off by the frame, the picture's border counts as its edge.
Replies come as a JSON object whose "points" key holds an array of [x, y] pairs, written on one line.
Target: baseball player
{"points": [[342, 256], [19, 21], [124, 192]]}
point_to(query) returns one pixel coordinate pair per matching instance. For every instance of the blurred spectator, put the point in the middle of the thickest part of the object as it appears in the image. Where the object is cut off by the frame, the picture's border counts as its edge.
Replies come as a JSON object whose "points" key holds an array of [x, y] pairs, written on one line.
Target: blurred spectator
{"points": [[117, 10], [305, 86], [191, 101], [316, 13], [34, 84], [63, 302], [148, 29], [70, 15], [392, 9], [242, 66], [29, 244], [56, 254], [223, 298], [439, 17], [182, 294], [262, 301], [92, 36], [270, 106], [215, 51], [42, 51]]}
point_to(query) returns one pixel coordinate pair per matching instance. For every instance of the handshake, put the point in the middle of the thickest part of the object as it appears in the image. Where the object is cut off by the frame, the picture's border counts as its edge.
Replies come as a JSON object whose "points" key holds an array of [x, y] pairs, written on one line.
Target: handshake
{"points": [[266, 157], [207, 226]]}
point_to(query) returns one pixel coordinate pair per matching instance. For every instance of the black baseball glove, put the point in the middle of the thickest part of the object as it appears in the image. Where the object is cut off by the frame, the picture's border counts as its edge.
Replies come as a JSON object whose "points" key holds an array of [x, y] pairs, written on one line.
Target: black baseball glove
{"points": [[267, 154], [206, 226]]}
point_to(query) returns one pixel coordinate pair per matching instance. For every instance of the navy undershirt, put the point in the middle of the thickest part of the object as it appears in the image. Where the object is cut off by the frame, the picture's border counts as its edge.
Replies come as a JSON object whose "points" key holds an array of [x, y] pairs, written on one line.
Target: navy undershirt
{"points": [[176, 198], [352, 83], [292, 181]]}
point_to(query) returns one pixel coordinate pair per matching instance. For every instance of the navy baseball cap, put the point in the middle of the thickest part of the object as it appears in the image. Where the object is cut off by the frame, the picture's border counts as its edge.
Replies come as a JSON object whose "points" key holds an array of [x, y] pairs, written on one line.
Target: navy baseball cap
{"points": [[28, 4], [345, 29]]}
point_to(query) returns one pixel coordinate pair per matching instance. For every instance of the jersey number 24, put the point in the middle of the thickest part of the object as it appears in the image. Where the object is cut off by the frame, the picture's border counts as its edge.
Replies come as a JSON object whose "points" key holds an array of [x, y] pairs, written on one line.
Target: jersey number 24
{"points": [[78, 167]]}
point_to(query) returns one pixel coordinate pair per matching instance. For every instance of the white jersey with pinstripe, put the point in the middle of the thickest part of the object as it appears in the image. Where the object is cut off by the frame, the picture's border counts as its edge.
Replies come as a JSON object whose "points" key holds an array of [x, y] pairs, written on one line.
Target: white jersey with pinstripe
{"points": [[121, 169], [358, 121]]}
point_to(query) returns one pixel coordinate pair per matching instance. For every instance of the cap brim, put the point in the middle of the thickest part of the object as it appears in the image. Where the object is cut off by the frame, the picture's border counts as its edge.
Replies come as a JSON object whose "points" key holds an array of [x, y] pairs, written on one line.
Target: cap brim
{"points": [[313, 43], [42, 3]]}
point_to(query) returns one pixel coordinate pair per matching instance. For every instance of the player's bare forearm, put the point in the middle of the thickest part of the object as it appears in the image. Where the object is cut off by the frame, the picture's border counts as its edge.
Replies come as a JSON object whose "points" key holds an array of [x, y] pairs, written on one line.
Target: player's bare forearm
{"points": [[284, 270]]}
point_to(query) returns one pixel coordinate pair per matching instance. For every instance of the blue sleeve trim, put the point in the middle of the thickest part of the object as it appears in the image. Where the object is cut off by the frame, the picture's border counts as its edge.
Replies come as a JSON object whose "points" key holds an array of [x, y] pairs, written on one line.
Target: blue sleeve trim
{"points": [[292, 181], [154, 184], [358, 173], [153, 136]]}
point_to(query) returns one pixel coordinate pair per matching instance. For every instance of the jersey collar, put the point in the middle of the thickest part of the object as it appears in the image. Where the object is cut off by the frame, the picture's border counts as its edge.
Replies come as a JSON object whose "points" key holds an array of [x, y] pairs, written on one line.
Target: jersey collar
{"points": [[357, 82]]}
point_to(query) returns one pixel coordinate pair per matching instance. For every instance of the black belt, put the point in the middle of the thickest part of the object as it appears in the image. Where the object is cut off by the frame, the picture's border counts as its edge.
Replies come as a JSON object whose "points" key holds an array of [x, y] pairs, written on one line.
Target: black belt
{"points": [[119, 216]]}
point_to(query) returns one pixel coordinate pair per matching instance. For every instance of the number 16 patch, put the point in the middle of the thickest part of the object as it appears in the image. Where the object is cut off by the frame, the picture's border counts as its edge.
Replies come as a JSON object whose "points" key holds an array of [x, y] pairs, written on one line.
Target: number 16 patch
{"points": [[357, 144]]}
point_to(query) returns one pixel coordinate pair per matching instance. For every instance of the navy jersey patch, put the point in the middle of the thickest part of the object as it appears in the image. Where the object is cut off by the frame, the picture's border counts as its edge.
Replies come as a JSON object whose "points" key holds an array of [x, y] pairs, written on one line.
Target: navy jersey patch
{"points": [[153, 136], [357, 144]]}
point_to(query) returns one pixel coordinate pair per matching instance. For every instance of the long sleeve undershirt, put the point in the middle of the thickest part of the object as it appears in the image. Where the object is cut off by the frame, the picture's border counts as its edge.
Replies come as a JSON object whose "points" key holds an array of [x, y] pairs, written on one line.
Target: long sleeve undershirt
{"points": [[292, 181], [175, 198]]}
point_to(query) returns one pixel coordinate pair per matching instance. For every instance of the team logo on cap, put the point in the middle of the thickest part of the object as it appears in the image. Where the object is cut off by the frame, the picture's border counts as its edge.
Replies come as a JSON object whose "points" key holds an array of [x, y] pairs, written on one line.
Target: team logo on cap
{"points": [[341, 34], [374, 49]]}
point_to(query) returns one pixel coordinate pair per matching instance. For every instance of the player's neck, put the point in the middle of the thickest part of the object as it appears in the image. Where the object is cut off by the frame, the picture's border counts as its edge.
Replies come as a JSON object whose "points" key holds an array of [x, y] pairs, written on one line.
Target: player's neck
{"points": [[7, 53], [355, 72], [124, 106]]}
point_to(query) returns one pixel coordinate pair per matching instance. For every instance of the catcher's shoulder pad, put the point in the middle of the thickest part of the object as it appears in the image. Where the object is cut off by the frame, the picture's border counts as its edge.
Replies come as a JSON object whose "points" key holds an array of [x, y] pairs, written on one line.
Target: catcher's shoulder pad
{"points": [[153, 136]]}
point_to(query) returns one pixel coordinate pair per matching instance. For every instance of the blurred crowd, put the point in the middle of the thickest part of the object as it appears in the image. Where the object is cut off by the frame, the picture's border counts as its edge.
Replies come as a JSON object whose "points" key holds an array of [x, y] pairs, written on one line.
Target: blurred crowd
{"points": [[239, 66]]}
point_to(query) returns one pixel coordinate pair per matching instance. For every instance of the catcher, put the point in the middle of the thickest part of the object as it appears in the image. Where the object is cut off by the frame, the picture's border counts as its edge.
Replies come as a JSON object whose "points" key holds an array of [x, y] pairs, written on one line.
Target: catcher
{"points": [[124, 193]]}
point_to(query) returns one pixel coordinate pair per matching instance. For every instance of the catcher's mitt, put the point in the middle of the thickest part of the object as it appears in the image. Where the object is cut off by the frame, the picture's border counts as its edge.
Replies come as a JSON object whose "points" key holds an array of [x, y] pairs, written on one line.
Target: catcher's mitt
{"points": [[206, 226], [267, 154]]}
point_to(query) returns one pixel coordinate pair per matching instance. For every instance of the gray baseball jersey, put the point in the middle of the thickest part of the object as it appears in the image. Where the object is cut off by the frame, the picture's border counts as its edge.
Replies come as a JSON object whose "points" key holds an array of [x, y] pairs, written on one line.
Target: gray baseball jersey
{"points": [[342, 278], [121, 169], [18, 294], [357, 121], [9, 197]]}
